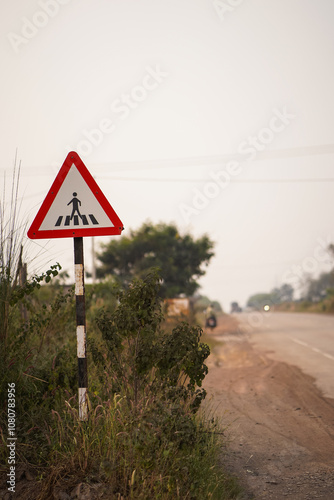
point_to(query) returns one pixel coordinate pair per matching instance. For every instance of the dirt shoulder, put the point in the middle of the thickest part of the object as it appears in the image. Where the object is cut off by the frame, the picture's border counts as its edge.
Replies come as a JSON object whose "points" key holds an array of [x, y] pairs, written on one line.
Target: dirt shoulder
{"points": [[279, 427]]}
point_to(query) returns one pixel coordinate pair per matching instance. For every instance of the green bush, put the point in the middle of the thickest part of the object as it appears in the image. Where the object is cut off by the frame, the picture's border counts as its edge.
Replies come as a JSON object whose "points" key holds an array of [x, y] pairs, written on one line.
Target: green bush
{"points": [[144, 359], [36, 356]]}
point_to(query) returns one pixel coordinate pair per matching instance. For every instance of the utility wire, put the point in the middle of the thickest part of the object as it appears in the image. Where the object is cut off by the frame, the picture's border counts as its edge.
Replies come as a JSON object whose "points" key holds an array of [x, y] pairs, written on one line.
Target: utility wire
{"points": [[199, 160], [202, 181], [219, 159]]}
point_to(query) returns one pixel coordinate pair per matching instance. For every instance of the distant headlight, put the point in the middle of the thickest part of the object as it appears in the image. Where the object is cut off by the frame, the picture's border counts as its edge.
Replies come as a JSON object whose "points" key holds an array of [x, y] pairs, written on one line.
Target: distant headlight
{"points": [[266, 307]]}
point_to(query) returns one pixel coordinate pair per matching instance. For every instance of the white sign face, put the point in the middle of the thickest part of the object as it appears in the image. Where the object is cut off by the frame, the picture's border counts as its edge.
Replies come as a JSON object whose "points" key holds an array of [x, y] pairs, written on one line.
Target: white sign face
{"points": [[75, 206]]}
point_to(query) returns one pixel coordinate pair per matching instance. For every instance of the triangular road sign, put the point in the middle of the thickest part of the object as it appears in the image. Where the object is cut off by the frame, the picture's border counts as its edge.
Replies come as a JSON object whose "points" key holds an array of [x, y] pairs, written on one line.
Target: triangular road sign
{"points": [[75, 206]]}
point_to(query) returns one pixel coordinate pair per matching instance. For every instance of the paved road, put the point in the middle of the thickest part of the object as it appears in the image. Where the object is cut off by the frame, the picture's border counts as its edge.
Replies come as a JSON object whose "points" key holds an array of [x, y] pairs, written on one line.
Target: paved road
{"points": [[303, 340]]}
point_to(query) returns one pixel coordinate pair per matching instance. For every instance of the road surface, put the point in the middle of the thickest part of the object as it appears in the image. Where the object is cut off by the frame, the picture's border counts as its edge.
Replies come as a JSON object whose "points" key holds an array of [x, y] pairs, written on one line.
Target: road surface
{"points": [[270, 385], [304, 340]]}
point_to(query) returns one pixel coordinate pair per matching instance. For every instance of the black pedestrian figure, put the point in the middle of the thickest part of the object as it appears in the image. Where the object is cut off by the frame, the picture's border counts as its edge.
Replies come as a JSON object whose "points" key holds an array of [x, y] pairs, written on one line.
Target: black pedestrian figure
{"points": [[76, 204]]}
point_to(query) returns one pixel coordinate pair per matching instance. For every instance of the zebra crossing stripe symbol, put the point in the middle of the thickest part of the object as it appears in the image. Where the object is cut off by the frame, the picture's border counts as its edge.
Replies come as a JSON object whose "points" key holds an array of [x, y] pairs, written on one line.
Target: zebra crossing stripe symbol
{"points": [[75, 206], [67, 220]]}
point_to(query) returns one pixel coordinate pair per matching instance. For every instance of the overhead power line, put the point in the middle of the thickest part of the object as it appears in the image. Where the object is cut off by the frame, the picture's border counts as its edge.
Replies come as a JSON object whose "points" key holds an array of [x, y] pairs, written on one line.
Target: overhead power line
{"points": [[321, 149], [202, 181], [219, 159]]}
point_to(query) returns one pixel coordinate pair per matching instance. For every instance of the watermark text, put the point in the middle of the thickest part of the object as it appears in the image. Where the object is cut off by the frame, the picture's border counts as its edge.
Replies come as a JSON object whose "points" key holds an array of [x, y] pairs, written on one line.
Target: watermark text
{"points": [[31, 27], [278, 122], [11, 439], [225, 7]]}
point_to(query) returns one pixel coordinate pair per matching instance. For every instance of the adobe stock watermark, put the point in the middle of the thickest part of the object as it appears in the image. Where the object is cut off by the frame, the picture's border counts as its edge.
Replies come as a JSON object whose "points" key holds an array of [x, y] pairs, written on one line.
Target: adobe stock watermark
{"points": [[201, 199], [310, 264], [11, 445], [121, 108], [31, 27], [224, 7]]}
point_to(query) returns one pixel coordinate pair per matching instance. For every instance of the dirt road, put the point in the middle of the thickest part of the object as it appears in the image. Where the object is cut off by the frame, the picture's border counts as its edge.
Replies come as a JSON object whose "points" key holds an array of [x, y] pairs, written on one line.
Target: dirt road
{"points": [[279, 426]]}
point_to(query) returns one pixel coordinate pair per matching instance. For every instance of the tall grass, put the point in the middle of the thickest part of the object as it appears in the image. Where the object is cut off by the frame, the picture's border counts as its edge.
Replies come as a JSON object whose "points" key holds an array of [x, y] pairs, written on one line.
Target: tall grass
{"points": [[135, 457], [11, 249]]}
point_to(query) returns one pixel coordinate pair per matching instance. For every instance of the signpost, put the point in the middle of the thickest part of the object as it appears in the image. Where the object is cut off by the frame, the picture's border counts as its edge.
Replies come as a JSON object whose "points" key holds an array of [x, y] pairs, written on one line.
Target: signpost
{"points": [[75, 207]]}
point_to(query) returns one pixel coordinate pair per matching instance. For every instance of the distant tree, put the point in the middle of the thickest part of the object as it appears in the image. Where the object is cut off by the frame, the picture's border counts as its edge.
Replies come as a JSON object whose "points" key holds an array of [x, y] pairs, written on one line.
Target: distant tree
{"points": [[286, 293], [277, 295], [259, 300], [181, 259], [235, 308], [202, 302], [216, 305], [331, 251], [316, 289], [331, 248]]}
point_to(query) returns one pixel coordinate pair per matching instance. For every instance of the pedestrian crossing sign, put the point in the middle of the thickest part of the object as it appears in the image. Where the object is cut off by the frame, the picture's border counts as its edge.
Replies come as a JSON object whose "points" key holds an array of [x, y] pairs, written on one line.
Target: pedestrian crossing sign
{"points": [[75, 206]]}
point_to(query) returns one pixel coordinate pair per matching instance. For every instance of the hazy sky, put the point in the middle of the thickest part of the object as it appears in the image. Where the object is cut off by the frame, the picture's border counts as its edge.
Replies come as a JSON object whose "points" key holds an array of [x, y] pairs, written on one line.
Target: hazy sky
{"points": [[181, 109]]}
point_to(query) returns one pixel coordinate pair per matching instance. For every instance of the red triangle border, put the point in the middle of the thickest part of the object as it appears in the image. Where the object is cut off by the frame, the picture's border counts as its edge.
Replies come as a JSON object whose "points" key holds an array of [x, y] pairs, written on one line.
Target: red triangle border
{"points": [[34, 230]]}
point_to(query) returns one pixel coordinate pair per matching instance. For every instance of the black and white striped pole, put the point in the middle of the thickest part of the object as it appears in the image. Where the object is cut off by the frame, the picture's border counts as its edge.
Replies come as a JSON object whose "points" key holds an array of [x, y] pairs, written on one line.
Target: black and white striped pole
{"points": [[81, 327]]}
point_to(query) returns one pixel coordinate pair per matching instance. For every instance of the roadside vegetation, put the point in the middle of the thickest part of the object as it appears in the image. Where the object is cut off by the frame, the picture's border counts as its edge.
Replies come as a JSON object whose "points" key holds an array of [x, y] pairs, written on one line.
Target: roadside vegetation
{"points": [[324, 305], [317, 295], [146, 436]]}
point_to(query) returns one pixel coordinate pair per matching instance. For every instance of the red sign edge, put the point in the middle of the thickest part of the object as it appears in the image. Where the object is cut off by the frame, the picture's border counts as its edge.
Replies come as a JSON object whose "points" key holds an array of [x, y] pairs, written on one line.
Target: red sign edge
{"points": [[74, 158]]}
